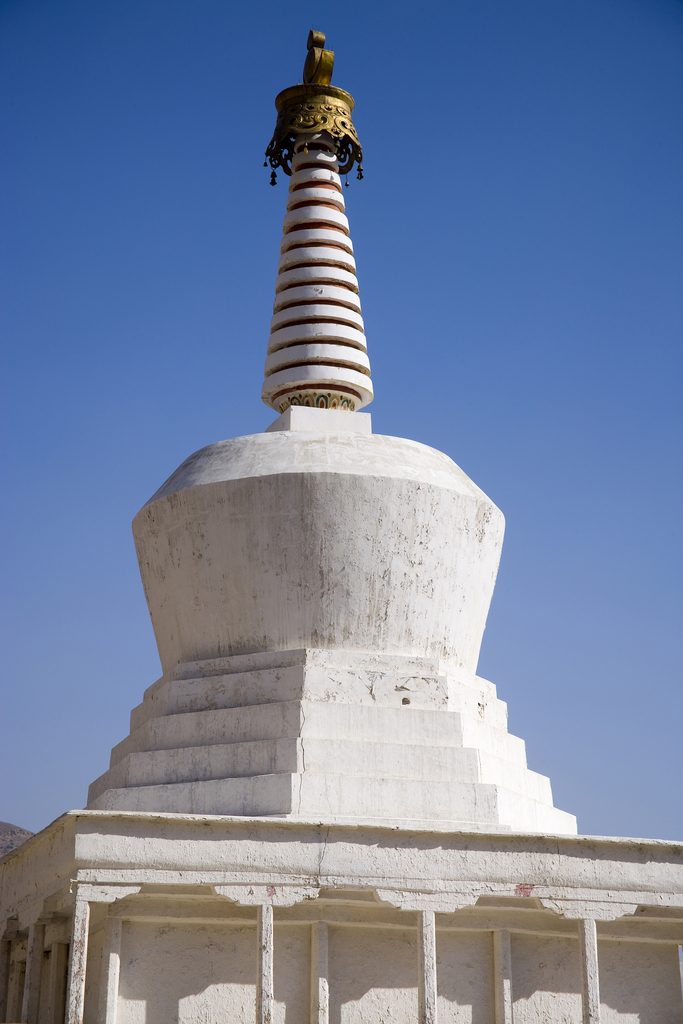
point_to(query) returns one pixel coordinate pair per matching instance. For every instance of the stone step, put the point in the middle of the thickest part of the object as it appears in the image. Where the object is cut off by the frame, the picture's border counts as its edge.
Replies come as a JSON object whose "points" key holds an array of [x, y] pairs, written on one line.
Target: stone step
{"points": [[366, 683], [203, 728], [201, 764], [534, 815], [293, 719], [326, 796], [344, 757]]}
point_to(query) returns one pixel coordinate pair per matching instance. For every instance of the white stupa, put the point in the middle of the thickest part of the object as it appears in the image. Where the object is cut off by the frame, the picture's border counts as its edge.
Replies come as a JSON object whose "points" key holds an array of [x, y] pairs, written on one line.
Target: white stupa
{"points": [[319, 593], [319, 816]]}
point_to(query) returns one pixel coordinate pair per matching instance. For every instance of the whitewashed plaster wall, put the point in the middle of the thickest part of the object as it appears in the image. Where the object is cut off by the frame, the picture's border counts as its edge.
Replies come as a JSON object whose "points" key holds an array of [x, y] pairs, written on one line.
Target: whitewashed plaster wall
{"points": [[185, 893], [547, 979], [206, 974], [638, 983], [204, 970]]}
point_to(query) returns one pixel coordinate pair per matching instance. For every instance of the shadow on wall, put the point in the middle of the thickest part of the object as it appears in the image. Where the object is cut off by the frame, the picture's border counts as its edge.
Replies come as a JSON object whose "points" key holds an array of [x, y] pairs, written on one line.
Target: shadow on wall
{"points": [[374, 976], [464, 973], [171, 973], [546, 978], [642, 979], [637, 980], [190, 974]]}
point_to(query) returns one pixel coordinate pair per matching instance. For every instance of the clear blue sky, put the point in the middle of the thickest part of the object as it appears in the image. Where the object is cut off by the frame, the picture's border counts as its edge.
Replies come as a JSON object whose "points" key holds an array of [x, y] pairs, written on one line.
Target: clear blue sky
{"points": [[518, 236]]}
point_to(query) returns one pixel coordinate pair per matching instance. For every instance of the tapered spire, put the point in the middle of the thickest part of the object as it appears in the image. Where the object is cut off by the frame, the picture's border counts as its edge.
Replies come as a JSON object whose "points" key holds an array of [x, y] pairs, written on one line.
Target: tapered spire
{"points": [[317, 353]]}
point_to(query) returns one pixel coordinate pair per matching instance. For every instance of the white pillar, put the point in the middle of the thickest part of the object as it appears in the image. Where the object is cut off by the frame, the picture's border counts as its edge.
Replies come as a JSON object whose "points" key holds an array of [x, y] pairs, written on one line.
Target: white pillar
{"points": [[5, 953], [111, 969], [426, 953], [320, 986], [78, 958], [15, 990], [264, 977], [590, 981], [59, 955], [34, 966], [502, 973]]}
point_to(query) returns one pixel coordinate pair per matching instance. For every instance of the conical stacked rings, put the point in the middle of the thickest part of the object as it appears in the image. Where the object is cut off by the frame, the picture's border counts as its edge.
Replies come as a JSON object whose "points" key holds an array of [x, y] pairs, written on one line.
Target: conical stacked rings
{"points": [[317, 354]]}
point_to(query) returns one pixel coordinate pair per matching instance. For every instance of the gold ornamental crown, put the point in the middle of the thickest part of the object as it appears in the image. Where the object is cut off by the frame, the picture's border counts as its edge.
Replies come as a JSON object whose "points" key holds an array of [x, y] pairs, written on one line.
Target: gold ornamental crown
{"points": [[316, 106]]}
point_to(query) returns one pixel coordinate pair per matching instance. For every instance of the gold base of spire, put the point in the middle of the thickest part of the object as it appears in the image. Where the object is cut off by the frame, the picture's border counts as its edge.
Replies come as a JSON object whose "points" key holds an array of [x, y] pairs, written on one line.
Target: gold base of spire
{"points": [[315, 107]]}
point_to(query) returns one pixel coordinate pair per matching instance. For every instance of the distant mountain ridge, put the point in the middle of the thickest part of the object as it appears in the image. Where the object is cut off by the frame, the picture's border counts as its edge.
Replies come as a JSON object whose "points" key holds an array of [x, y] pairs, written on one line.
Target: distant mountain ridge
{"points": [[12, 836]]}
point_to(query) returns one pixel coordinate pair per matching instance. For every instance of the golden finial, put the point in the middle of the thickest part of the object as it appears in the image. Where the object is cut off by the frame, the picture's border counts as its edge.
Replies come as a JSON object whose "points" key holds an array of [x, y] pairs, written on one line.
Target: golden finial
{"points": [[316, 106], [319, 61]]}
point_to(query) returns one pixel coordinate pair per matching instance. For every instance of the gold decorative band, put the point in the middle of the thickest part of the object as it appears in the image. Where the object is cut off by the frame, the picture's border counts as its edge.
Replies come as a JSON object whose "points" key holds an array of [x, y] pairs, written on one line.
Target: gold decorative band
{"points": [[307, 110], [318, 398]]}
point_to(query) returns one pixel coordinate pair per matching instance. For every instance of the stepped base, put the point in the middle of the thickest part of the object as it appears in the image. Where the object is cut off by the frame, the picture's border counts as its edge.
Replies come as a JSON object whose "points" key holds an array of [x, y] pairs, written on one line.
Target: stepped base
{"points": [[333, 797], [330, 734]]}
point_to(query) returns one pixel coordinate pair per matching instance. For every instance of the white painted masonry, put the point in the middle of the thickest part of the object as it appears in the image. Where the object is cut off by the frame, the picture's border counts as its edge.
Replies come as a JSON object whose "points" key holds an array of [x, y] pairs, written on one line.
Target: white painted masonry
{"points": [[319, 816], [590, 975], [352, 923], [264, 977], [319, 596], [426, 969], [78, 957], [320, 983], [502, 972]]}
